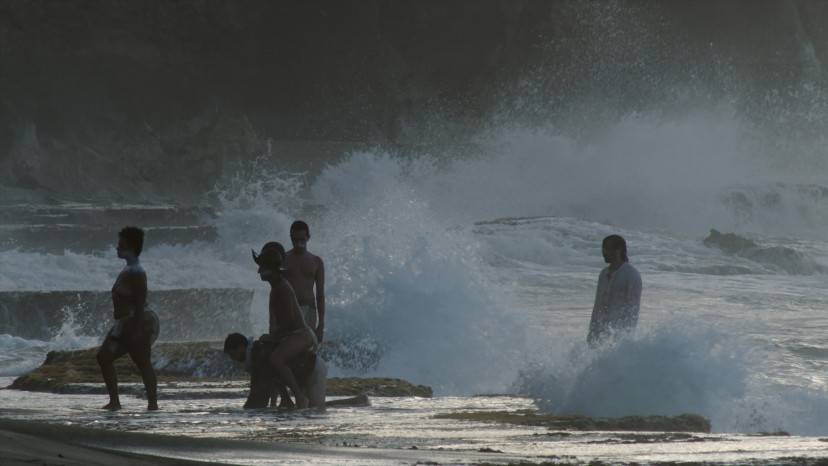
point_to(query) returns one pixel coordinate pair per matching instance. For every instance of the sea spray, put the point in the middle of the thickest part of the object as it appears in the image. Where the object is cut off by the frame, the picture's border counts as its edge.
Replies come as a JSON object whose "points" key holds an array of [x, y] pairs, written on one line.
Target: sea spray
{"points": [[678, 366], [773, 408], [411, 283], [255, 204], [32, 271], [666, 372], [79, 326], [383, 215], [693, 171], [20, 355]]}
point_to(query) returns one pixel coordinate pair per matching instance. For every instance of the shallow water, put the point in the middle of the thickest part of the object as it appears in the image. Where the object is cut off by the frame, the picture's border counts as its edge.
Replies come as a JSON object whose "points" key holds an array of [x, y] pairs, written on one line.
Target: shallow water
{"points": [[463, 252], [746, 349], [403, 424]]}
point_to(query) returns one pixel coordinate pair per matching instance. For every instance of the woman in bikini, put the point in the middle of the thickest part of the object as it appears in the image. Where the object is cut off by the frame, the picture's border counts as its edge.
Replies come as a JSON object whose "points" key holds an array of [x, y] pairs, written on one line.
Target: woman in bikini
{"points": [[136, 327]]}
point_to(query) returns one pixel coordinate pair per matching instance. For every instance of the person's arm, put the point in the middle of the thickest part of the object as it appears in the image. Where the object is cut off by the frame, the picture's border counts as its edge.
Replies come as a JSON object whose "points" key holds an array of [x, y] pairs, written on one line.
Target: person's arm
{"points": [[284, 314], [138, 286], [595, 322], [320, 299], [260, 388], [633, 303]]}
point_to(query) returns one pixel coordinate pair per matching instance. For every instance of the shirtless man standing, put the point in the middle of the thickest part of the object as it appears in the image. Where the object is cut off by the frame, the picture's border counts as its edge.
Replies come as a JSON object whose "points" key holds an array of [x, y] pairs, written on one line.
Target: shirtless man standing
{"points": [[305, 271]]}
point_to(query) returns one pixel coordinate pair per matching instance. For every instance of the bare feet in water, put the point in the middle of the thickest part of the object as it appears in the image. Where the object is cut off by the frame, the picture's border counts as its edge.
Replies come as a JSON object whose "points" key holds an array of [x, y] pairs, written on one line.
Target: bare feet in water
{"points": [[112, 406], [301, 401], [286, 402], [152, 407]]}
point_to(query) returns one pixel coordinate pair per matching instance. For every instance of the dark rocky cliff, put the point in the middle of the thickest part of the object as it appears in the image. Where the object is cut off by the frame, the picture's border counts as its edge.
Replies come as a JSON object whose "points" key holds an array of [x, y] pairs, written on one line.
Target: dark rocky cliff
{"points": [[172, 94]]}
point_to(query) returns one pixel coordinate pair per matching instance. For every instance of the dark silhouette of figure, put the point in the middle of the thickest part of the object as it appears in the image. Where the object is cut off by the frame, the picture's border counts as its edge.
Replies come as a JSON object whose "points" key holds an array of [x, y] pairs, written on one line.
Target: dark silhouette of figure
{"points": [[309, 370], [618, 295], [287, 327], [306, 274], [136, 327]]}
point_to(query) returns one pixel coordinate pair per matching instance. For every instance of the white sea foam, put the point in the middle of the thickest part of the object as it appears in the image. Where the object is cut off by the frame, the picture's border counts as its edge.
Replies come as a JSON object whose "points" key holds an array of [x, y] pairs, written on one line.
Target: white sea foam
{"points": [[411, 283], [19, 355], [681, 366], [429, 282]]}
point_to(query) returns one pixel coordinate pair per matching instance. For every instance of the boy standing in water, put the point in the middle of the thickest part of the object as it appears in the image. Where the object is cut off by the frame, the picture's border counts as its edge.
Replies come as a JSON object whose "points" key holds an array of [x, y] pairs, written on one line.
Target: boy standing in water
{"points": [[304, 271], [287, 326], [618, 297]]}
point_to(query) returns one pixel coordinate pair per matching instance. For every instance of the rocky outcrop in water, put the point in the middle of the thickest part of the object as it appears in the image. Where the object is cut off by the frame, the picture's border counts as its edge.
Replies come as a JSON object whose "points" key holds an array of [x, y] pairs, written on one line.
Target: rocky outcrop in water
{"points": [[680, 423], [784, 258], [77, 371]]}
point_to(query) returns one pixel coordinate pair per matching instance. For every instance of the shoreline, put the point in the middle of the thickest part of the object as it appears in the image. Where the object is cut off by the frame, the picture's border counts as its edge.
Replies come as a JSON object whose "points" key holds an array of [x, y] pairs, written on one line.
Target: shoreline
{"points": [[67, 445], [27, 442], [466, 433]]}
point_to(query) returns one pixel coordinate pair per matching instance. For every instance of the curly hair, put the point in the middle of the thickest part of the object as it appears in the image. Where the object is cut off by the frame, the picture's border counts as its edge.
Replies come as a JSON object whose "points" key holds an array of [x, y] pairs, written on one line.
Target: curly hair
{"points": [[134, 236], [233, 341]]}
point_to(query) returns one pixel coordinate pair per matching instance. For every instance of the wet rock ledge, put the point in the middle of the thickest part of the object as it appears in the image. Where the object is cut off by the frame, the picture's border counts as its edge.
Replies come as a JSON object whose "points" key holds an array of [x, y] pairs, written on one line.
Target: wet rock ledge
{"points": [[72, 371], [77, 372], [681, 423]]}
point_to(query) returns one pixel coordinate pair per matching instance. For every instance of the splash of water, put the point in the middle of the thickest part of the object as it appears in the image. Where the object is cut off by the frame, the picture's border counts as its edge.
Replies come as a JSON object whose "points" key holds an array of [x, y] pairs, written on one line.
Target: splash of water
{"points": [[411, 283], [678, 367], [255, 203]]}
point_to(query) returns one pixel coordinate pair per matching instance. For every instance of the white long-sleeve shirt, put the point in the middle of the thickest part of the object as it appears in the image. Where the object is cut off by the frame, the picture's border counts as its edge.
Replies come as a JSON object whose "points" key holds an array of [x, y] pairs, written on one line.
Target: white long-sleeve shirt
{"points": [[617, 301]]}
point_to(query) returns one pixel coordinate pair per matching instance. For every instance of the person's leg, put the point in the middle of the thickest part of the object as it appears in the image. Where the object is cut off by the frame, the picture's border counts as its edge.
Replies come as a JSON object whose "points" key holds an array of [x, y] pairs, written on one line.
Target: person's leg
{"points": [[274, 387], [109, 351], [284, 396], [291, 346], [276, 390], [141, 354], [260, 391], [316, 383]]}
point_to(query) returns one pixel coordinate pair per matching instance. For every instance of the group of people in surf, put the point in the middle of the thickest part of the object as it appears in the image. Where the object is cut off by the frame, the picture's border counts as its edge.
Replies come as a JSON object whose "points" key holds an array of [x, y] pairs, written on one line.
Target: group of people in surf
{"points": [[285, 357]]}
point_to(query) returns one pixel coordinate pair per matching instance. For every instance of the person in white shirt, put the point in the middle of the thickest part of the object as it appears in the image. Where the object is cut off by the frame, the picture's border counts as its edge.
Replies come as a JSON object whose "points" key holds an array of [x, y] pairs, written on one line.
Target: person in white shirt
{"points": [[618, 296]]}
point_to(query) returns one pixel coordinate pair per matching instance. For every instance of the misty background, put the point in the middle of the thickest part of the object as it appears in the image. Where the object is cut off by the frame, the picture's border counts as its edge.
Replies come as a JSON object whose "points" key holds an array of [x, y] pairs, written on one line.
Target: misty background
{"points": [[155, 101]]}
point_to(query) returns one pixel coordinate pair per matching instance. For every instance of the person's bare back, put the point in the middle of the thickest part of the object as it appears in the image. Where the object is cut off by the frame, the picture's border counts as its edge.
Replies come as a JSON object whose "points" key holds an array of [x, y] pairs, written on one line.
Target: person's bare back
{"points": [[285, 316]]}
